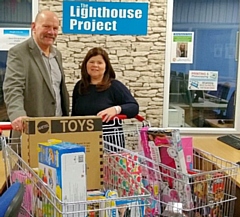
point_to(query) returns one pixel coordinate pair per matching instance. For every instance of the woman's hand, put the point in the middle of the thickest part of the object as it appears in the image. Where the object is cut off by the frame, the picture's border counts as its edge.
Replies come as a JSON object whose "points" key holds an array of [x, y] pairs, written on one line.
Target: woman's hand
{"points": [[109, 113]]}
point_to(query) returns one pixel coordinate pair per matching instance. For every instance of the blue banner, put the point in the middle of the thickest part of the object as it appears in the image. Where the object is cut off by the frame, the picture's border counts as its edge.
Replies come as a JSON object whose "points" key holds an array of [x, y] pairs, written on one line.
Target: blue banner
{"points": [[108, 18], [17, 32]]}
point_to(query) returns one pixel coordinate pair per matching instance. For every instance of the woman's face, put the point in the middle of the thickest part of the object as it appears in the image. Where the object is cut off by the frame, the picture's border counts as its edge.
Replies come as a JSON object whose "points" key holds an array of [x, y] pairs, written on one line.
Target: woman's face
{"points": [[96, 67], [182, 46]]}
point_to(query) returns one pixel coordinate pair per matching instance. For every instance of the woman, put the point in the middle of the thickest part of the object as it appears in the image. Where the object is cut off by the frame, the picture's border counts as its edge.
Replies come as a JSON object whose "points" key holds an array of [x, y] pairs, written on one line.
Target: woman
{"points": [[99, 93]]}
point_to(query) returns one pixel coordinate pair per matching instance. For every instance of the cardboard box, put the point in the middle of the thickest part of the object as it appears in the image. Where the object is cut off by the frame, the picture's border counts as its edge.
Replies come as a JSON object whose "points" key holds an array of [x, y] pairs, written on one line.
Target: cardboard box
{"points": [[63, 168], [84, 130]]}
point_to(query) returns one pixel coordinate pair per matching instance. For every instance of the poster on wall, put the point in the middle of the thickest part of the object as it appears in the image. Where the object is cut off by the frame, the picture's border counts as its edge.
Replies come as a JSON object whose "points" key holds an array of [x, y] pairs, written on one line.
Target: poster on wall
{"points": [[12, 36], [182, 47], [202, 80], [108, 18]]}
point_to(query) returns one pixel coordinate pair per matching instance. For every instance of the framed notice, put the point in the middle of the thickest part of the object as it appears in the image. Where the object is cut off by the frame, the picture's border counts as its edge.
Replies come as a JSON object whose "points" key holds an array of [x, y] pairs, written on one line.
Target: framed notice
{"points": [[12, 36], [202, 80], [182, 47]]}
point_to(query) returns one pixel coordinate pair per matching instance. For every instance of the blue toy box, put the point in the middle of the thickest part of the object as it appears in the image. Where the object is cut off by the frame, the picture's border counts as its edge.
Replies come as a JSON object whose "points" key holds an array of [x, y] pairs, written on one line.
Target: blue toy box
{"points": [[62, 167]]}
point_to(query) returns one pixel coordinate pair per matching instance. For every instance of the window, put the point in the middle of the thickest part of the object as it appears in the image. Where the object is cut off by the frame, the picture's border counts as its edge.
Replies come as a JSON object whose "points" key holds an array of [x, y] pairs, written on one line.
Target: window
{"points": [[202, 66], [13, 14]]}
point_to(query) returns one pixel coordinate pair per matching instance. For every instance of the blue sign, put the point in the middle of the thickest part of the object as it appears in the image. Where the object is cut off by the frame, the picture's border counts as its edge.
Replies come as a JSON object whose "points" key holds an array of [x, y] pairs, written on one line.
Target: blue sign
{"points": [[108, 18], [17, 32]]}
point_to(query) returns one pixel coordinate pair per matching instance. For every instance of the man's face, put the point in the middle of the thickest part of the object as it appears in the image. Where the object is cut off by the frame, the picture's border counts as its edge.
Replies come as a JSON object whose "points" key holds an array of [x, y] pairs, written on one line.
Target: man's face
{"points": [[45, 30]]}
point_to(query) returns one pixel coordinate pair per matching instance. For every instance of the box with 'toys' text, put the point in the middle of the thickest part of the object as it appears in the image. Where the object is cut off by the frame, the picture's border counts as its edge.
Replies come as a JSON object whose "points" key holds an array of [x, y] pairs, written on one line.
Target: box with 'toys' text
{"points": [[84, 130]]}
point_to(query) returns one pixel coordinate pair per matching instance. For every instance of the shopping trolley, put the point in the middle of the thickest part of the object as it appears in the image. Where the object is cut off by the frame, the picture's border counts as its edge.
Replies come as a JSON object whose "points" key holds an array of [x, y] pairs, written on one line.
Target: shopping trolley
{"points": [[124, 193], [207, 189], [124, 132]]}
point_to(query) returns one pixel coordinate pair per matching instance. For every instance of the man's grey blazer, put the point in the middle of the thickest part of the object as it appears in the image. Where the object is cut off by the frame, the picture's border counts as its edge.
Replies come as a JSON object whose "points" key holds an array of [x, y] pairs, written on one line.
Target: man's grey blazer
{"points": [[27, 86]]}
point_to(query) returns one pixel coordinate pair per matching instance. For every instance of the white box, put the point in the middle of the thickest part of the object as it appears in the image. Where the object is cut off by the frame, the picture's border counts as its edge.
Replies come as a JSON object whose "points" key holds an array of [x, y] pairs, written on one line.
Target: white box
{"points": [[63, 167], [176, 116]]}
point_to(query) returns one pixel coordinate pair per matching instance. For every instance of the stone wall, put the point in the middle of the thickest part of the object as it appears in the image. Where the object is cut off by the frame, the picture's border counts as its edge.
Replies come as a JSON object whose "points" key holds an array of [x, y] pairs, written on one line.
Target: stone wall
{"points": [[138, 60]]}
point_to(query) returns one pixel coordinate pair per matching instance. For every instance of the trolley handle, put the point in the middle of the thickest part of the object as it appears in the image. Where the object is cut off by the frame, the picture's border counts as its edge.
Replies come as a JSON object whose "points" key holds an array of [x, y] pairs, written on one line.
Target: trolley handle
{"points": [[123, 117], [8, 126], [5, 126]]}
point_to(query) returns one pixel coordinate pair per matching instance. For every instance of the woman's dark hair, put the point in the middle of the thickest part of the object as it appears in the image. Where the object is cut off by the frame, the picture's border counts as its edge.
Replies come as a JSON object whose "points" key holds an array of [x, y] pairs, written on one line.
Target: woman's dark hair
{"points": [[109, 73]]}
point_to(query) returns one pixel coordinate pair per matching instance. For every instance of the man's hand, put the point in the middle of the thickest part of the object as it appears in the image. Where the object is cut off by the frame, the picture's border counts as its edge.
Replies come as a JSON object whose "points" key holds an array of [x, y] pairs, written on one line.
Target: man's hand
{"points": [[17, 124]]}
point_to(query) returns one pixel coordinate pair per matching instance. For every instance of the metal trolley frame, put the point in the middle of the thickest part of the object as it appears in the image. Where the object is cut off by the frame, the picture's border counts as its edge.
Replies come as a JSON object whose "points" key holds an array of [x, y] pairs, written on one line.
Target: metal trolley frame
{"points": [[129, 197], [208, 190]]}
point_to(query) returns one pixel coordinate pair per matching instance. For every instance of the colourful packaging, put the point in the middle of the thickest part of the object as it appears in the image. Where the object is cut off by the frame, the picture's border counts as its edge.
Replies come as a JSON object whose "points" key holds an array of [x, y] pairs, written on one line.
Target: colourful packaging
{"points": [[163, 143], [218, 187], [122, 207], [147, 152], [62, 166], [171, 155], [24, 177], [153, 204], [200, 188], [187, 145], [96, 206], [123, 169], [95, 193], [113, 211], [151, 173]]}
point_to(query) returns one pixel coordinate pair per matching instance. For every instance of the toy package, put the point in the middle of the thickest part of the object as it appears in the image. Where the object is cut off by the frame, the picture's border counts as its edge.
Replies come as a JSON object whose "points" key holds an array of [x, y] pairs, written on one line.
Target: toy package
{"points": [[151, 173], [170, 147], [96, 206], [62, 167], [25, 178], [124, 170], [217, 187], [187, 145], [148, 152], [172, 164], [200, 189], [152, 207], [122, 207]]}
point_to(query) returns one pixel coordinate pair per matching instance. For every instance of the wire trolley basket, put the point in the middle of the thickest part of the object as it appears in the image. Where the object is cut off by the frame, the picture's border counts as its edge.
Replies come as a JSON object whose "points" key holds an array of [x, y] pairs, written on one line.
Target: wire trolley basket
{"points": [[205, 187], [145, 174], [207, 190], [124, 193]]}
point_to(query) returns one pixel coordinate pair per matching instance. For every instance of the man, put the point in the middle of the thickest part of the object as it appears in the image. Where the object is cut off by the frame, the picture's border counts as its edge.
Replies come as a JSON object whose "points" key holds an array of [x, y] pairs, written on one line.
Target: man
{"points": [[34, 83]]}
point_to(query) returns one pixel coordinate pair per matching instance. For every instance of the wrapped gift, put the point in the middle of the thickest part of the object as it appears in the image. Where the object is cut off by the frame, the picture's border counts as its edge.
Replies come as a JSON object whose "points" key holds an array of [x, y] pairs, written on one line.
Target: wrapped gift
{"points": [[123, 169]]}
